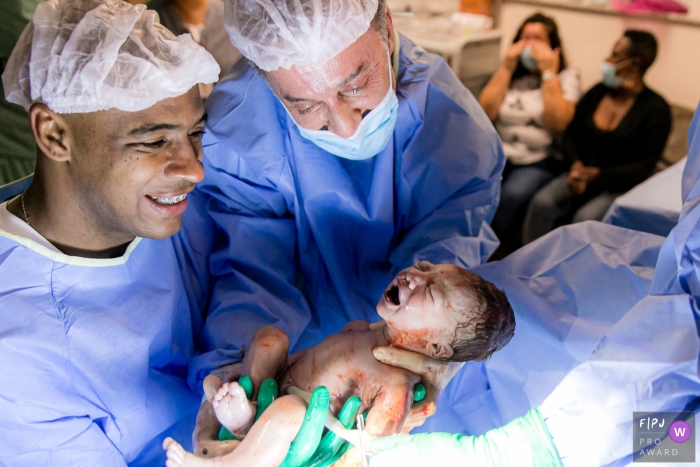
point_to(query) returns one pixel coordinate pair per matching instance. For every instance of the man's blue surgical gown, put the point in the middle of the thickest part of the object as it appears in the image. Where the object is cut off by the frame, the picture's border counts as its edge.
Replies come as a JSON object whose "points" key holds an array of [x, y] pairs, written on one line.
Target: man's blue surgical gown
{"points": [[94, 356], [307, 241]]}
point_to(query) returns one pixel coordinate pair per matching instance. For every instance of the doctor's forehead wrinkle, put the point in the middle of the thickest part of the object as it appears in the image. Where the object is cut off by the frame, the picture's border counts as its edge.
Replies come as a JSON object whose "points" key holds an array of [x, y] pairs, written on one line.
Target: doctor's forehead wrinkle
{"points": [[352, 76], [320, 78]]}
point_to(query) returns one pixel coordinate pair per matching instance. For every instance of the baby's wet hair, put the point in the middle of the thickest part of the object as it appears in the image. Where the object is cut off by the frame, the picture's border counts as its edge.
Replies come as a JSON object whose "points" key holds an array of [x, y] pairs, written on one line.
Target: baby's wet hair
{"points": [[489, 321]]}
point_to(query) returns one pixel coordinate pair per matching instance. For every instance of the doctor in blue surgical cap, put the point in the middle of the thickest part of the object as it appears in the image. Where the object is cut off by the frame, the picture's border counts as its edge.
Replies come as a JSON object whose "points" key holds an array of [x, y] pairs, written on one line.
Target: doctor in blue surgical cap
{"points": [[96, 330], [608, 325], [336, 155]]}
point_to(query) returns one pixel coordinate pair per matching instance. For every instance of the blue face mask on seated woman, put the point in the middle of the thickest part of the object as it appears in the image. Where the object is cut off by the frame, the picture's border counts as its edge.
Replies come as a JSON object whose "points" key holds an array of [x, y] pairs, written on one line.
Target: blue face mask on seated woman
{"points": [[527, 60], [610, 78], [609, 72], [370, 137]]}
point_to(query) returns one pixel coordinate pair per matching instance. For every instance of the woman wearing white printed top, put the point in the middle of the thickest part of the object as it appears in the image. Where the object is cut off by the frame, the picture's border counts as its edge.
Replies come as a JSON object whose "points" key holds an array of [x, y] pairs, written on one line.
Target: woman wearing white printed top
{"points": [[530, 98]]}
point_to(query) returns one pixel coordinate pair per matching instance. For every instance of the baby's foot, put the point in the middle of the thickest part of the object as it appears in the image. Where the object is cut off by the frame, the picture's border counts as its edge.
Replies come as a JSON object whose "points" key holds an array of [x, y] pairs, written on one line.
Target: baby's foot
{"points": [[211, 384], [233, 409], [178, 457]]}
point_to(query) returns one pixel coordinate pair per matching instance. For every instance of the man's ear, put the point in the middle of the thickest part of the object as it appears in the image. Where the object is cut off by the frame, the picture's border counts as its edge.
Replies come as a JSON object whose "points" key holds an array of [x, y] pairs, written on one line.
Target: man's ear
{"points": [[438, 351], [390, 30], [50, 132]]}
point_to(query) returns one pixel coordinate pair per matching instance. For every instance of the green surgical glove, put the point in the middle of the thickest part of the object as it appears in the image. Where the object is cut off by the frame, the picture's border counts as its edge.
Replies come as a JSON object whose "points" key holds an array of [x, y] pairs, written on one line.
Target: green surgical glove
{"points": [[308, 448], [308, 441], [523, 442], [309, 436], [331, 446]]}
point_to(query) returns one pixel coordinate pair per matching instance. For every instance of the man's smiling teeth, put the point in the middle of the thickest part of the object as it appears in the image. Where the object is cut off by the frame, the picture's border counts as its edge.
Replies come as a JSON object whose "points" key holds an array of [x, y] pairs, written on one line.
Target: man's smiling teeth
{"points": [[168, 201]]}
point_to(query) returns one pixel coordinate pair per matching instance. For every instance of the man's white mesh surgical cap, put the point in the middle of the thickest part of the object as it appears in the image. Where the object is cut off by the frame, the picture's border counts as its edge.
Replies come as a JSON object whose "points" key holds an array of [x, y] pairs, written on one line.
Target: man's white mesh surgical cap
{"points": [[81, 56], [281, 33]]}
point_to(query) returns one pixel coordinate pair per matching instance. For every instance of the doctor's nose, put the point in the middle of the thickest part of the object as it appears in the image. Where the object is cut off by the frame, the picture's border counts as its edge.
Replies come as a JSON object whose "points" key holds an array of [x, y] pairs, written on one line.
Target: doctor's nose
{"points": [[344, 119]]}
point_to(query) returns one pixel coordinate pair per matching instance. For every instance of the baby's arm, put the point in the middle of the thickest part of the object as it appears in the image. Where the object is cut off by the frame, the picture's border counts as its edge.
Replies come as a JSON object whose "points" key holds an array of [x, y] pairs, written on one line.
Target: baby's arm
{"points": [[390, 409], [266, 357], [386, 417]]}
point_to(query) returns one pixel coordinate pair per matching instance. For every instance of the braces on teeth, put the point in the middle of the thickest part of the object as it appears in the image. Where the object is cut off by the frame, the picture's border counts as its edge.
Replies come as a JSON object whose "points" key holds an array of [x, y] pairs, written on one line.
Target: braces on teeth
{"points": [[173, 200]]}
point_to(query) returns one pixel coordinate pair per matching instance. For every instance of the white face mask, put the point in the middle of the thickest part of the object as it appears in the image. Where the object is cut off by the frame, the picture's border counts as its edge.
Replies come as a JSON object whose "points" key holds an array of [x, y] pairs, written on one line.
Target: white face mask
{"points": [[610, 78], [370, 137]]}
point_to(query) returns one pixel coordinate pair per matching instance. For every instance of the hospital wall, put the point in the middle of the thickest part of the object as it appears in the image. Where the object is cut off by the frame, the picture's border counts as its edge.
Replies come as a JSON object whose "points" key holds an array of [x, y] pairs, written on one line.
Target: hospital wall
{"points": [[589, 37]]}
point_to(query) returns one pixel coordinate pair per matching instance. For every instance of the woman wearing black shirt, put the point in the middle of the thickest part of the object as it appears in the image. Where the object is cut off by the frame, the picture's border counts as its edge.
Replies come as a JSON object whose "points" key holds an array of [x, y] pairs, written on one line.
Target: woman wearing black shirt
{"points": [[617, 135]]}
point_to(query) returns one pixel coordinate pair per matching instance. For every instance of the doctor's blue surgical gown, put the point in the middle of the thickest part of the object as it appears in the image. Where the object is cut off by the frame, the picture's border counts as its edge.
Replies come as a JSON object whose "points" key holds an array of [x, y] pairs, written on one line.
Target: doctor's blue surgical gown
{"points": [[308, 241], [94, 356], [607, 324]]}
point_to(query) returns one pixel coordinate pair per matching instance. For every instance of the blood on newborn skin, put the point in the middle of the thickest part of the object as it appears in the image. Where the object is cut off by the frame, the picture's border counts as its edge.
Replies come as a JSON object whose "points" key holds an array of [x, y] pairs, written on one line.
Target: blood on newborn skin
{"points": [[413, 341], [345, 364]]}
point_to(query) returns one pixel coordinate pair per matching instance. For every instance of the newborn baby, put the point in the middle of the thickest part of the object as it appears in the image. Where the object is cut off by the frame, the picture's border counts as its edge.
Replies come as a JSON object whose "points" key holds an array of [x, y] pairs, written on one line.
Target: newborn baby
{"points": [[441, 311]]}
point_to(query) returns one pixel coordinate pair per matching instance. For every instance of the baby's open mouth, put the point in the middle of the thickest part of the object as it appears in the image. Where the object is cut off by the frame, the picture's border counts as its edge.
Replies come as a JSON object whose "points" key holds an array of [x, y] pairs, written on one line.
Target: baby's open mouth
{"points": [[392, 295]]}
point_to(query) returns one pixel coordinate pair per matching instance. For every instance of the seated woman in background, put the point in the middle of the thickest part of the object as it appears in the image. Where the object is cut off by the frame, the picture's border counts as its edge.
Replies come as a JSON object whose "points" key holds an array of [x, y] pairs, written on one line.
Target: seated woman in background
{"points": [[615, 140], [531, 97]]}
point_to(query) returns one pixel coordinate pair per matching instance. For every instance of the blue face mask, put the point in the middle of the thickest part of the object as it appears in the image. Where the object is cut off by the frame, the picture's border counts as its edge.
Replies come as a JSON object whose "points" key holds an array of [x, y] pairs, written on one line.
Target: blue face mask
{"points": [[371, 136], [610, 78], [527, 60]]}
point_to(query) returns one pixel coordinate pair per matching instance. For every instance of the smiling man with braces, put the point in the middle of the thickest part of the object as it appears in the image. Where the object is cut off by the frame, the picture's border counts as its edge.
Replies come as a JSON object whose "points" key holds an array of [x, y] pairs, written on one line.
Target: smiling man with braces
{"points": [[93, 297]]}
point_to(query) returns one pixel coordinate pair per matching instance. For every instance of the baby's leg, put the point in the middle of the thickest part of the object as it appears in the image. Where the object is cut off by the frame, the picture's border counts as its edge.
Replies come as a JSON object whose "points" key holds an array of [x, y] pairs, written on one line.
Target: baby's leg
{"points": [[178, 457], [266, 445], [267, 356], [269, 438]]}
